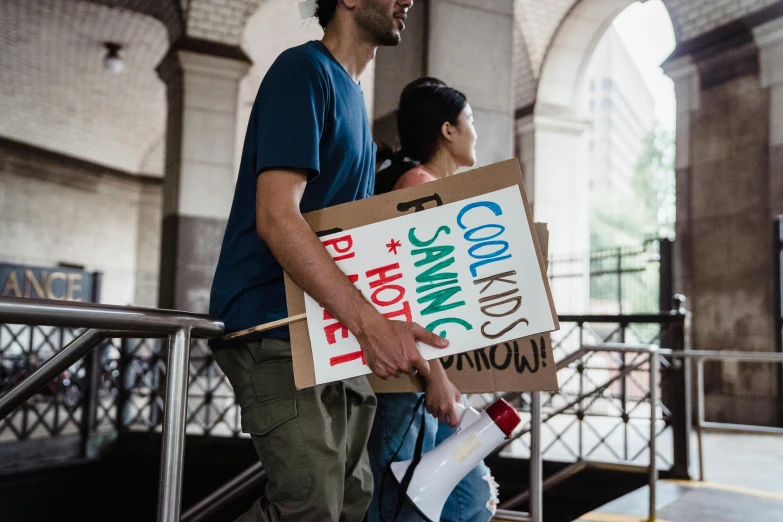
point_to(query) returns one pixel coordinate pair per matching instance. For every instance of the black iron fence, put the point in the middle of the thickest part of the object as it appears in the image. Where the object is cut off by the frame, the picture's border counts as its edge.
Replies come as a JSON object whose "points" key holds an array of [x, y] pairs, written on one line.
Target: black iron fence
{"points": [[622, 388], [614, 281], [777, 252], [119, 387]]}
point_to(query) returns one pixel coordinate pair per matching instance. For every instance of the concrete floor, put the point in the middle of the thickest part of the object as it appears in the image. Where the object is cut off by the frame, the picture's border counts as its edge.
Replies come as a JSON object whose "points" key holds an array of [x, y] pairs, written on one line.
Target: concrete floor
{"points": [[743, 483]]}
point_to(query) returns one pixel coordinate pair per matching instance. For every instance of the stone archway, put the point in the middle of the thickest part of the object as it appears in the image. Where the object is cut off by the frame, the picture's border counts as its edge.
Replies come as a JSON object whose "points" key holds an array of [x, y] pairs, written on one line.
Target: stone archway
{"points": [[551, 135]]}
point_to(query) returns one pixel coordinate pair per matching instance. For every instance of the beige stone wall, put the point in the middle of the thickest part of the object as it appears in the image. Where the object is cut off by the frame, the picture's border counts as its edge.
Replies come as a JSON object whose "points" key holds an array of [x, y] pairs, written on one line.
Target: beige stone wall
{"points": [[56, 210], [150, 210]]}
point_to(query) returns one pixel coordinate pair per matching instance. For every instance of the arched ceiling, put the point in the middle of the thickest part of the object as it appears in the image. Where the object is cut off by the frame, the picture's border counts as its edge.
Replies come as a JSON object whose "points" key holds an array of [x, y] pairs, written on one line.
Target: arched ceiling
{"points": [[168, 12], [55, 93], [221, 20], [544, 26]]}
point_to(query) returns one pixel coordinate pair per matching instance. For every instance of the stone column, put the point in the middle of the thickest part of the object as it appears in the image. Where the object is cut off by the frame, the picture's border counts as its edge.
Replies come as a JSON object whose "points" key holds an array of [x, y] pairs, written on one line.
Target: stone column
{"points": [[470, 47], [553, 153], [202, 81], [724, 222], [769, 38], [685, 76], [558, 185]]}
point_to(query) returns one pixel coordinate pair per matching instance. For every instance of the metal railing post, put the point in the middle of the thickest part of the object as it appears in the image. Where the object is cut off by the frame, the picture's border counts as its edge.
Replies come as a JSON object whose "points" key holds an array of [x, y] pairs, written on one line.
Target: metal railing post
{"points": [[676, 389], [122, 382], [653, 432], [700, 413], [90, 405], [536, 468], [171, 462], [688, 371]]}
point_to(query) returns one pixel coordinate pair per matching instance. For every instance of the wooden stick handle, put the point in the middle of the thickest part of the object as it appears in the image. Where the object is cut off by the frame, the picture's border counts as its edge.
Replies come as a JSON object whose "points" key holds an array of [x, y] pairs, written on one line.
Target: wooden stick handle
{"points": [[264, 327]]}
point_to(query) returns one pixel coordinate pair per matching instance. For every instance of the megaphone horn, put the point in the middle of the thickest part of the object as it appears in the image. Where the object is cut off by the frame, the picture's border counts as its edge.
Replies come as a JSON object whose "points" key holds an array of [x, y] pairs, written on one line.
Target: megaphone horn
{"points": [[440, 470]]}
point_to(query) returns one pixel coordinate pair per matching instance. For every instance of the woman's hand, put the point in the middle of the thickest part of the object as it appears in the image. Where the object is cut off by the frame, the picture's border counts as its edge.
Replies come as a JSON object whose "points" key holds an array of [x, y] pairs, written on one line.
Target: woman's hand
{"points": [[440, 395]]}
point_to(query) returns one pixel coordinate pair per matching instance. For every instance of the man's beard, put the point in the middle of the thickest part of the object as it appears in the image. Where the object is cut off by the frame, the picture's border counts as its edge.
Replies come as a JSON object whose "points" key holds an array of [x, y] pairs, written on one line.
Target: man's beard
{"points": [[380, 24]]}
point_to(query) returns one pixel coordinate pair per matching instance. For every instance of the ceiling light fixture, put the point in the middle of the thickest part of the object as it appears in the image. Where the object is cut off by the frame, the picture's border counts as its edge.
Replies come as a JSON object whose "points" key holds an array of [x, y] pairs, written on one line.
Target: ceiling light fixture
{"points": [[112, 62]]}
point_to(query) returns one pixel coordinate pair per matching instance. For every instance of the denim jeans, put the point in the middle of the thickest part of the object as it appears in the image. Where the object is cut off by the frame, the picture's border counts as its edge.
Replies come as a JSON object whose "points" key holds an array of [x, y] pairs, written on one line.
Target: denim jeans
{"points": [[470, 499]]}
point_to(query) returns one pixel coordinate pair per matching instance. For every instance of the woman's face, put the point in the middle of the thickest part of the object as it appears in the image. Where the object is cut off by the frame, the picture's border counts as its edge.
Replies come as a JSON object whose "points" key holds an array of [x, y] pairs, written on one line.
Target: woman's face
{"points": [[463, 144]]}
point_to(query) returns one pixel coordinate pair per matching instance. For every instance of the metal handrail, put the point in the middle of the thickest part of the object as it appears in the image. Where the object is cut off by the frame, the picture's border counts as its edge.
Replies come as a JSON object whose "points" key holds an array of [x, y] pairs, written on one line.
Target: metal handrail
{"points": [[654, 353], [15, 310], [535, 492], [701, 425], [225, 494], [105, 321]]}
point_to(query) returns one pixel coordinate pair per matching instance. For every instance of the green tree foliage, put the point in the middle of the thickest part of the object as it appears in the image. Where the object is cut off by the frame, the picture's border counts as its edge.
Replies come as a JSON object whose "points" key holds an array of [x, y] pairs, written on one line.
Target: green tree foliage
{"points": [[620, 219]]}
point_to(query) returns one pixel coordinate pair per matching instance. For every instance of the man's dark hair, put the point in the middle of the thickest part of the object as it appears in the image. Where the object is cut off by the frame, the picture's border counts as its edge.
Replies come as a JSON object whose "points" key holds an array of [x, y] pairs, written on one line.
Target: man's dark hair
{"points": [[324, 11]]}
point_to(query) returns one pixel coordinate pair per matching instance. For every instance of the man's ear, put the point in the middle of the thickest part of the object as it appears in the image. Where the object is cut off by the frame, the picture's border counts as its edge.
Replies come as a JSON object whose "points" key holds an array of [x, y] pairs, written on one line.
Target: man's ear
{"points": [[349, 4], [447, 131]]}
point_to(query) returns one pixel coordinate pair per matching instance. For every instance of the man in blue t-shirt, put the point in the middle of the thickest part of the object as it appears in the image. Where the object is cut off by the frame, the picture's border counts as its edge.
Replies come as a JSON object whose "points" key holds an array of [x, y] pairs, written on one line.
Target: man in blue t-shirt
{"points": [[308, 146]]}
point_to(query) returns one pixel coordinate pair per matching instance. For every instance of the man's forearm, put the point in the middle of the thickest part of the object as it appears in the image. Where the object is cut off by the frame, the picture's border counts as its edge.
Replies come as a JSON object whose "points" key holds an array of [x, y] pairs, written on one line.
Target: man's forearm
{"points": [[303, 257]]}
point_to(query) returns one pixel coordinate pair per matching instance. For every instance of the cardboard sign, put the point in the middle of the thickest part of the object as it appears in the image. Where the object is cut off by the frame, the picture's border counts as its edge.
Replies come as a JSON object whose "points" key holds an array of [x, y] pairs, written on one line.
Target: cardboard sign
{"points": [[469, 195], [459, 270], [520, 365]]}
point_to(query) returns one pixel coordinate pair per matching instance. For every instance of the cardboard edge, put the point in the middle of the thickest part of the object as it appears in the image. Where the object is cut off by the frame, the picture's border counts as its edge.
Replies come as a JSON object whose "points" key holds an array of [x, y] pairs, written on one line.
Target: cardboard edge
{"points": [[305, 364], [542, 267]]}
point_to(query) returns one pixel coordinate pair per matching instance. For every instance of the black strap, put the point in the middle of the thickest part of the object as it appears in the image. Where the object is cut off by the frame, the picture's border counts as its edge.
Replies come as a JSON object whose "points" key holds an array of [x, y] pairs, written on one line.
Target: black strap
{"points": [[406, 479]]}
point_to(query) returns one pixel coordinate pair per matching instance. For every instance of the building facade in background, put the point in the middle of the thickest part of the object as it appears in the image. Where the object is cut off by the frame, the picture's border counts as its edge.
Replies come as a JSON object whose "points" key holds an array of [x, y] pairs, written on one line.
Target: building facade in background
{"points": [[621, 112]]}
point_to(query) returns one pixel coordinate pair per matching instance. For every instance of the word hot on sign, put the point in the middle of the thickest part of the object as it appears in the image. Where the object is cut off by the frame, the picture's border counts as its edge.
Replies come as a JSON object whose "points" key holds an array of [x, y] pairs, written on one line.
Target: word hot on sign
{"points": [[468, 271]]}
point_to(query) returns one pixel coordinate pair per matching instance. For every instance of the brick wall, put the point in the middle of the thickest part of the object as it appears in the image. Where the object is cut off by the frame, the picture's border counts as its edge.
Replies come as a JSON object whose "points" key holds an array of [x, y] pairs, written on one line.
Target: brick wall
{"points": [[537, 23], [222, 20], [696, 17]]}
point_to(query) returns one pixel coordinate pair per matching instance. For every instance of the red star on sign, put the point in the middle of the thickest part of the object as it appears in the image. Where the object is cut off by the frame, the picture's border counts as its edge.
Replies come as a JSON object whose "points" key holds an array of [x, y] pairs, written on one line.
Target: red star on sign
{"points": [[393, 245]]}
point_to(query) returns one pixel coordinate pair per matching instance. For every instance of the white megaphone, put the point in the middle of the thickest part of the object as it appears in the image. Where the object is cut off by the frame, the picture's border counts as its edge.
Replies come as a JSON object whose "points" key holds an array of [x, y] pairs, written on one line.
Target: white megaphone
{"points": [[440, 470]]}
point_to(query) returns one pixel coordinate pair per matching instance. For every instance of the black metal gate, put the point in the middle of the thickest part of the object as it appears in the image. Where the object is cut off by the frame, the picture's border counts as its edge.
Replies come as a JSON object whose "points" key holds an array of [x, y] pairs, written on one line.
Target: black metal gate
{"points": [[777, 252], [615, 281]]}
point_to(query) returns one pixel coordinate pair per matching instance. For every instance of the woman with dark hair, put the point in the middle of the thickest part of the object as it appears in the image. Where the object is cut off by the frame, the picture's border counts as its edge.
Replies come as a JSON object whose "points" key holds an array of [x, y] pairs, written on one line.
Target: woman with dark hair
{"points": [[437, 138]]}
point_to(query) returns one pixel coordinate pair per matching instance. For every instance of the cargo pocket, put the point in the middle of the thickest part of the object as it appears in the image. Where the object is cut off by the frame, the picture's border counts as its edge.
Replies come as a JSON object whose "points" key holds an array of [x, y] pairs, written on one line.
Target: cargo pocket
{"points": [[276, 432]]}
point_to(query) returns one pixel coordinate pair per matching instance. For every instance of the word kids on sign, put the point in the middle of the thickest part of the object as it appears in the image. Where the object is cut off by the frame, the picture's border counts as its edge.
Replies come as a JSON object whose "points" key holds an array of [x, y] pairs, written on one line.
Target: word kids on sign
{"points": [[467, 271]]}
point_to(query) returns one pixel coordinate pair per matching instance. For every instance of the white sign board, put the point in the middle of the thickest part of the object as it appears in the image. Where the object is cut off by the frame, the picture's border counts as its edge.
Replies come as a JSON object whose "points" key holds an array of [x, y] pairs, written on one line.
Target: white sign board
{"points": [[467, 270]]}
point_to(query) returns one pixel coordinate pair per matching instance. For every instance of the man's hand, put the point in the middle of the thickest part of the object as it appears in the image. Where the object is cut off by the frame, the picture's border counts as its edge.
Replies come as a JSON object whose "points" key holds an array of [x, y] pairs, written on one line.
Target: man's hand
{"points": [[390, 346], [440, 396]]}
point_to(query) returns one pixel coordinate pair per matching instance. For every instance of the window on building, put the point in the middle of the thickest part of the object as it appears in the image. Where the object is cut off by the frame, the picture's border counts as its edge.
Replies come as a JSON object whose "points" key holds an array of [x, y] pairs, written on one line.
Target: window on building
{"points": [[607, 84], [592, 85], [592, 105], [607, 103]]}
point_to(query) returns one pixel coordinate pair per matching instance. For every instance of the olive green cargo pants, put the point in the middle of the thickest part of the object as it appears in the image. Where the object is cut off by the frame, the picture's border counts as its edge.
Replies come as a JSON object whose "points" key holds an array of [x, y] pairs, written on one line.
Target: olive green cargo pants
{"points": [[312, 442]]}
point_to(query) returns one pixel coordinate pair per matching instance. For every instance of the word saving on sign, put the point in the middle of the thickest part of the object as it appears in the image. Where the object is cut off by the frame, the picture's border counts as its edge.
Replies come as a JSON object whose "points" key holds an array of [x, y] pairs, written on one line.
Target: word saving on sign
{"points": [[468, 271]]}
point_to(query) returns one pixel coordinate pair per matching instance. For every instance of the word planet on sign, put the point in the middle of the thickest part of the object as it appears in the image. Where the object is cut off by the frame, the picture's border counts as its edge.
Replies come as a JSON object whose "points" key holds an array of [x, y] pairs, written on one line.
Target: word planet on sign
{"points": [[468, 271]]}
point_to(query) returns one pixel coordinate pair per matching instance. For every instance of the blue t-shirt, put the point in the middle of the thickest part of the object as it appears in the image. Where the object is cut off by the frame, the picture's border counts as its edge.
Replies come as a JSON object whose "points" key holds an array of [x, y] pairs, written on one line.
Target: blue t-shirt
{"points": [[308, 114]]}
